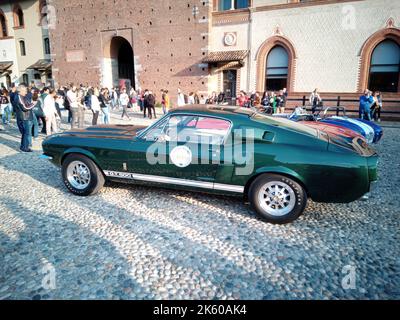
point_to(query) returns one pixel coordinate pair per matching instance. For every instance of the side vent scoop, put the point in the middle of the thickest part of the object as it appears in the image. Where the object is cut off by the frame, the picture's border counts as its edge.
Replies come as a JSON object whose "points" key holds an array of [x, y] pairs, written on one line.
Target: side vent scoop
{"points": [[268, 136]]}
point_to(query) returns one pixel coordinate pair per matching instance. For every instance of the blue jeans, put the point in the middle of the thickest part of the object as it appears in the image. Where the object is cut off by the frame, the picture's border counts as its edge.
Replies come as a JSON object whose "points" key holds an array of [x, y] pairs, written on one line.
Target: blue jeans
{"points": [[106, 115], [26, 139], [35, 124], [20, 124], [365, 114], [6, 116]]}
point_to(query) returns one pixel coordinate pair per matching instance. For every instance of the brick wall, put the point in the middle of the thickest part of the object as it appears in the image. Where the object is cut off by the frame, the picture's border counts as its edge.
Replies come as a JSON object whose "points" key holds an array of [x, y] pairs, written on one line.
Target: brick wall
{"points": [[167, 40]]}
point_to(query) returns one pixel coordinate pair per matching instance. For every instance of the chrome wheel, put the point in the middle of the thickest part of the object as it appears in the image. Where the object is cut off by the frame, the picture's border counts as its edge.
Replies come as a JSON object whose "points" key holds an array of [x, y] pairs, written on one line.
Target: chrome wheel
{"points": [[277, 198], [78, 175]]}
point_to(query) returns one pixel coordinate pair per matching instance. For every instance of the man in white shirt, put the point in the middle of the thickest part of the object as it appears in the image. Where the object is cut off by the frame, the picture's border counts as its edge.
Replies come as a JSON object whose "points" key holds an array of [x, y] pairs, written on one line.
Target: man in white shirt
{"points": [[181, 98], [50, 112], [73, 105]]}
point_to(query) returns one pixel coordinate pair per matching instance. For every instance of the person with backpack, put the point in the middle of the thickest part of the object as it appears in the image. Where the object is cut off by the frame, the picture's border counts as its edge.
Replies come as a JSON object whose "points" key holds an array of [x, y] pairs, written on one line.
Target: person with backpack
{"points": [[86, 100], [37, 113], [221, 98], [151, 101], [104, 100]]}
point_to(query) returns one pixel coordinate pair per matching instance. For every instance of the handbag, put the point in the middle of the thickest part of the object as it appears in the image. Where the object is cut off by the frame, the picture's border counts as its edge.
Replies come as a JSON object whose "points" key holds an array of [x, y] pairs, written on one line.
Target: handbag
{"points": [[38, 111]]}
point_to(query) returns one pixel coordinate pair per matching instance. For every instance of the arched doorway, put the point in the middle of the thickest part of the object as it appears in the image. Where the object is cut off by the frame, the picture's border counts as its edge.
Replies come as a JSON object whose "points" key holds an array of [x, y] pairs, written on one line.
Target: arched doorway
{"points": [[276, 72], [384, 68], [119, 68]]}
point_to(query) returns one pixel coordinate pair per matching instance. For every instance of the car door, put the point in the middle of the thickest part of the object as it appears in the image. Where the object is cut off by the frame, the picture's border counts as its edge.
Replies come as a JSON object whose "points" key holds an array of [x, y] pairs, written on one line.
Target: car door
{"points": [[182, 149]]}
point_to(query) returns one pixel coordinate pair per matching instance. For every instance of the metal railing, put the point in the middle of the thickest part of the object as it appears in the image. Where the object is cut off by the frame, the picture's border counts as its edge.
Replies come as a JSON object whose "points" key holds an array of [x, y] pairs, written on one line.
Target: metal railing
{"points": [[338, 103]]}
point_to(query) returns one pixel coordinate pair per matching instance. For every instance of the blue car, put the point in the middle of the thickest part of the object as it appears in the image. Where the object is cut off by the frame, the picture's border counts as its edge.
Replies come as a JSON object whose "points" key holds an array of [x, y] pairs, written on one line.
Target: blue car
{"points": [[352, 124], [371, 131], [378, 132]]}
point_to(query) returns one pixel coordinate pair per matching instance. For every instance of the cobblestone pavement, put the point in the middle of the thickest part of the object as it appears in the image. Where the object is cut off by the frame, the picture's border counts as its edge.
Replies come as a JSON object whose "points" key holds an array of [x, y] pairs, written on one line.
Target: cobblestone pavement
{"points": [[131, 242]]}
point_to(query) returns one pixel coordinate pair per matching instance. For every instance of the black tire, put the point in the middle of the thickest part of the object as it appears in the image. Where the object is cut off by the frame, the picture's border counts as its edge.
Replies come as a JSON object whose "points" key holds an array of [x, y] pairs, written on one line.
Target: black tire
{"points": [[96, 179], [295, 208]]}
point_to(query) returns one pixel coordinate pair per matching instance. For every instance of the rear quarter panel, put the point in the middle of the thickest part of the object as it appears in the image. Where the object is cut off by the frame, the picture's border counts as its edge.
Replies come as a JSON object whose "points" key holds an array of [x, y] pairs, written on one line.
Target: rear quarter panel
{"points": [[327, 176]]}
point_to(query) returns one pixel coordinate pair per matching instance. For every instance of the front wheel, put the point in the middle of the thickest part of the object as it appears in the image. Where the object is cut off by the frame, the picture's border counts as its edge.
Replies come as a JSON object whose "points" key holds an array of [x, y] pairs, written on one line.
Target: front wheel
{"points": [[81, 175], [277, 199]]}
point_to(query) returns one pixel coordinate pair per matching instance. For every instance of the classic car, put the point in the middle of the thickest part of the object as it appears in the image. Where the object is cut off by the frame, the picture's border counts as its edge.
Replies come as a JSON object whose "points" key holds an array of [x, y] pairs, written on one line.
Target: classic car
{"points": [[333, 129], [274, 164], [371, 131], [300, 116], [352, 124], [378, 132]]}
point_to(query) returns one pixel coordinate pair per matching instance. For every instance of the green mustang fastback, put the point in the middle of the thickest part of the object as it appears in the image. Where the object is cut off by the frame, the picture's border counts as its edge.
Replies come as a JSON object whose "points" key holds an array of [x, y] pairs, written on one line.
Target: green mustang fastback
{"points": [[275, 164]]}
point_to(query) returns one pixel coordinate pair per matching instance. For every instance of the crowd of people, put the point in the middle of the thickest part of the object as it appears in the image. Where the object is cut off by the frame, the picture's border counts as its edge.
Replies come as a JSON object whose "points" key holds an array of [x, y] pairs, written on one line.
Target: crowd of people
{"points": [[34, 107], [269, 102]]}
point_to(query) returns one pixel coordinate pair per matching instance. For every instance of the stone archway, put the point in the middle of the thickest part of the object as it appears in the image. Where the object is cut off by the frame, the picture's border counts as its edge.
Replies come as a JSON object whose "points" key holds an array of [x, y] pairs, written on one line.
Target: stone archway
{"points": [[367, 50], [261, 59], [118, 63]]}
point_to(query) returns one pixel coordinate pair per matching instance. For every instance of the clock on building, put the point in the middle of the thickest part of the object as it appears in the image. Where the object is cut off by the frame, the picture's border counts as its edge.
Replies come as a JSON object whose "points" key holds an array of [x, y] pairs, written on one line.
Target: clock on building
{"points": [[230, 38]]}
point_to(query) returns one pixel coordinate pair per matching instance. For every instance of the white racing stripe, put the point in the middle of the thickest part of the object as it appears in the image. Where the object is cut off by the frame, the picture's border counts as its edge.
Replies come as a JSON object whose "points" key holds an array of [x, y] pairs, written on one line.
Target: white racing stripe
{"points": [[177, 181]]}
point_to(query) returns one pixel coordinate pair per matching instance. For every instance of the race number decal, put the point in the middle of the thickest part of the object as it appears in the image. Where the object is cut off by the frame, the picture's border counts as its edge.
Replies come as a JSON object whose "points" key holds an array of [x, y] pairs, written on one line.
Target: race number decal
{"points": [[181, 156]]}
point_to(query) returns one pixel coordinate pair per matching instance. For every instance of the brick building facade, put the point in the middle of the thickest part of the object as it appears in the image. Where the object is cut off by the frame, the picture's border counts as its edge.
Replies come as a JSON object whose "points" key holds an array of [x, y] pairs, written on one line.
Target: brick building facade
{"points": [[92, 40], [224, 45]]}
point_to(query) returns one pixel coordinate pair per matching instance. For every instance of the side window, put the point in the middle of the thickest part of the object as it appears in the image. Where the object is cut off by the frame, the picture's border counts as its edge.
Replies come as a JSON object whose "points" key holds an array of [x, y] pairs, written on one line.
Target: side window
{"points": [[167, 129], [207, 130], [190, 128], [155, 133]]}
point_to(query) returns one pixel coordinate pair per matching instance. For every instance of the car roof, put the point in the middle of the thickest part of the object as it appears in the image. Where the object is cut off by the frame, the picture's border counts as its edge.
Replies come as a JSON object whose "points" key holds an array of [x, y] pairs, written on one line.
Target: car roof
{"points": [[231, 112], [214, 109]]}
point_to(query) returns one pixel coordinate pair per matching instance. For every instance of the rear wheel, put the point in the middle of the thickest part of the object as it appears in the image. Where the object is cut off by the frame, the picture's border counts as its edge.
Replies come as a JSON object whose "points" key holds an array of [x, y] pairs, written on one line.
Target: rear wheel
{"points": [[277, 199], [81, 175]]}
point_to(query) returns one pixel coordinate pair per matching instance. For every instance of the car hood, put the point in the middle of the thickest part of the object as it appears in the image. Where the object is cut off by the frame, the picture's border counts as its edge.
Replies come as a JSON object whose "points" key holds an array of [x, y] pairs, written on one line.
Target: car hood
{"points": [[106, 132]]}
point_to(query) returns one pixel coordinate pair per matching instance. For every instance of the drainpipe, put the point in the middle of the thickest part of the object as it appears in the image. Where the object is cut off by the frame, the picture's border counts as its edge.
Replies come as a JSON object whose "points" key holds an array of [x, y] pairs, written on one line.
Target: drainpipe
{"points": [[249, 44]]}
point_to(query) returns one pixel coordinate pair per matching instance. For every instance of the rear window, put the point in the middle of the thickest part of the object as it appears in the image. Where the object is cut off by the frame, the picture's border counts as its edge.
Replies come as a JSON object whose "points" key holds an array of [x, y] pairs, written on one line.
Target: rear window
{"points": [[285, 123]]}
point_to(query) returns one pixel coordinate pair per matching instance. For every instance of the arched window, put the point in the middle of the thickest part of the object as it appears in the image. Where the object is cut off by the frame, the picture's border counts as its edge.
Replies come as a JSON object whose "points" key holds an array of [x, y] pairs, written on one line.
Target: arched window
{"points": [[46, 46], [3, 23], [277, 69], [384, 68], [18, 16], [22, 49]]}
